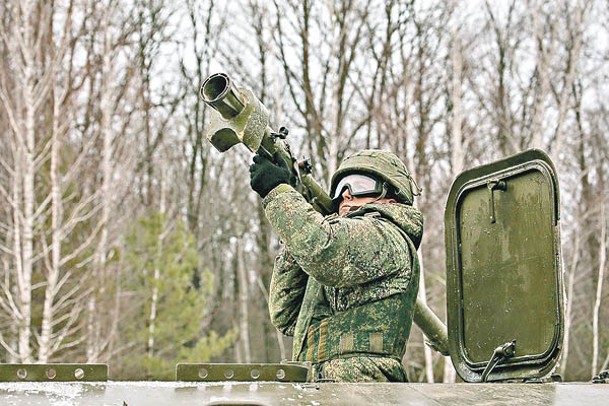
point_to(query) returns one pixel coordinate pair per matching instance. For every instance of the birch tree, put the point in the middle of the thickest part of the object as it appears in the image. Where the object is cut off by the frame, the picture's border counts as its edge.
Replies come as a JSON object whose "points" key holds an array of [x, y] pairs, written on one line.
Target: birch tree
{"points": [[62, 222], [22, 108], [40, 94]]}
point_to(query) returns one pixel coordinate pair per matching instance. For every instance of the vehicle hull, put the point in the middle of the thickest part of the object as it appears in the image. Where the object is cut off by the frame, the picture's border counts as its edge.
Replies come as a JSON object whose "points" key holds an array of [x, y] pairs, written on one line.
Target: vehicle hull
{"points": [[273, 393]]}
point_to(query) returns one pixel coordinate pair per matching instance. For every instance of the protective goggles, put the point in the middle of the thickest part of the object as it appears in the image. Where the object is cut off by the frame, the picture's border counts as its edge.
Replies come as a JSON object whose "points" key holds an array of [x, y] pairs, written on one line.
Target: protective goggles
{"points": [[359, 185]]}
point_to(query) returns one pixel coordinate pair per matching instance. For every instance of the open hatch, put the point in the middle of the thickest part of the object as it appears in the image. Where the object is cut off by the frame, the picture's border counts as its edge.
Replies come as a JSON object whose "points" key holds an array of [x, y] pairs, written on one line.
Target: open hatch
{"points": [[503, 271]]}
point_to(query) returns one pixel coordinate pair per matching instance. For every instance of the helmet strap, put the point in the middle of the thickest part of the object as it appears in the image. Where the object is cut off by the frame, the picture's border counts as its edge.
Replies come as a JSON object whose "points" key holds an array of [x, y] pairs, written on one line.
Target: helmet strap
{"points": [[382, 195]]}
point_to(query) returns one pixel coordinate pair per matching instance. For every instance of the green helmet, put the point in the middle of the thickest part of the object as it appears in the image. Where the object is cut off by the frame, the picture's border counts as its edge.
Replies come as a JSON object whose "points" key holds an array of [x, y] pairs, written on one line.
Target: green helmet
{"points": [[383, 164]]}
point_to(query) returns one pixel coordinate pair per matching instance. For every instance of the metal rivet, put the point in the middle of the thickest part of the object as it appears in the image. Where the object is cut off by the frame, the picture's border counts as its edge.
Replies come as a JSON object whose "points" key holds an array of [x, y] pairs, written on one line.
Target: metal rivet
{"points": [[51, 373], [255, 374], [229, 374], [79, 373], [280, 374], [203, 373], [21, 373]]}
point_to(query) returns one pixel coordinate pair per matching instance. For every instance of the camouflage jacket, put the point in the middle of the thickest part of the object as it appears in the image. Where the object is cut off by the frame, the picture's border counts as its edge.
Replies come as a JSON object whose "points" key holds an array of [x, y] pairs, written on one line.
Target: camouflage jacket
{"points": [[343, 287]]}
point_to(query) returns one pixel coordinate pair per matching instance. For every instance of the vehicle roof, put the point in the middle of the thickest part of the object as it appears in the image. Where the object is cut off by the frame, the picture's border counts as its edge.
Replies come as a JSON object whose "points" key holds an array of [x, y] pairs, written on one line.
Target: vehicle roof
{"points": [[273, 393]]}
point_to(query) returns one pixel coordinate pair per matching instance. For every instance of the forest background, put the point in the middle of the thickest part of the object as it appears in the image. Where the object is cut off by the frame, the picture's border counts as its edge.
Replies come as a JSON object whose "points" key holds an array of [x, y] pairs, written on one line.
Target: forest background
{"points": [[126, 238]]}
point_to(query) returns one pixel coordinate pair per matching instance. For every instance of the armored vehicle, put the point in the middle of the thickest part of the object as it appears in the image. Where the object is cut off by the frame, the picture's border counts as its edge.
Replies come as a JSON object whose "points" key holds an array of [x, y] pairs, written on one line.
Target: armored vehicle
{"points": [[504, 302]]}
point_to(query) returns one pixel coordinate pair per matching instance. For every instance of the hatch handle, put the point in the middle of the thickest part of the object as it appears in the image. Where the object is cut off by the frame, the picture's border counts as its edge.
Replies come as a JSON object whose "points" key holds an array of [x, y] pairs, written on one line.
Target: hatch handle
{"points": [[493, 185], [602, 377], [500, 353]]}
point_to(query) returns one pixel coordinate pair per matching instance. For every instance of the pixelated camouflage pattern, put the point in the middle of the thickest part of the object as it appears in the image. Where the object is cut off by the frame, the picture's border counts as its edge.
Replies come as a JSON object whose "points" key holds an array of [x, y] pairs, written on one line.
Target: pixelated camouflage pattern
{"points": [[360, 369], [345, 287]]}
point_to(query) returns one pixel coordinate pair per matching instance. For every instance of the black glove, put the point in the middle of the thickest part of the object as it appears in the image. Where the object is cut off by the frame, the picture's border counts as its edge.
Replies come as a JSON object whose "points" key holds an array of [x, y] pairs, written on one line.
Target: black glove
{"points": [[266, 175]]}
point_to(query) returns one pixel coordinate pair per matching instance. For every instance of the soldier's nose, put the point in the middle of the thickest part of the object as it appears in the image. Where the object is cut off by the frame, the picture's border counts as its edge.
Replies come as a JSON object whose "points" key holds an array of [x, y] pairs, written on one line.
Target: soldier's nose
{"points": [[346, 194]]}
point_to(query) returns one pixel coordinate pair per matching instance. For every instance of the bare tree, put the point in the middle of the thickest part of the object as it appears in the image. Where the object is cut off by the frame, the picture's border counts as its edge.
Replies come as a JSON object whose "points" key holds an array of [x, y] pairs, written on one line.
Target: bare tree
{"points": [[602, 263], [109, 81], [545, 47], [574, 27], [500, 94], [40, 109], [325, 80], [22, 108]]}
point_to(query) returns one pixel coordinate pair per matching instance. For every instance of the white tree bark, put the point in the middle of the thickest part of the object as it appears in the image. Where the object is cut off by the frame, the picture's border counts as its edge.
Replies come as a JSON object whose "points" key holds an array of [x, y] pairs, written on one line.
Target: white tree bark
{"points": [[244, 335], [22, 108], [154, 300], [457, 147], [48, 341], [572, 63], [569, 304], [427, 352], [97, 340], [602, 252], [53, 270], [544, 56]]}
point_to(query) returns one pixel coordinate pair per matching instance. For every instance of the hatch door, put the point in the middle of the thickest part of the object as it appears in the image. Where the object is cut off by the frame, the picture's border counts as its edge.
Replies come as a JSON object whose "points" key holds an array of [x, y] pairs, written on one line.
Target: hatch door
{"points": [[504, 281]]}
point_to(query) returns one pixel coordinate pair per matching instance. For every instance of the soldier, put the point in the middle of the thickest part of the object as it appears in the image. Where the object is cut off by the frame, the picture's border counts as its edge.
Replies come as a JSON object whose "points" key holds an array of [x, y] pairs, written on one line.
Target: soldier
{"points": [[345, 285]]}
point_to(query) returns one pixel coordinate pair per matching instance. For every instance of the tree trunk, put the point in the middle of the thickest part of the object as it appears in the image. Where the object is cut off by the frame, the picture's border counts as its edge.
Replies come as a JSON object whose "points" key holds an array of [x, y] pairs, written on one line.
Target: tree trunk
{"points": [[156, 278], [572, 62], [46, 332], [96, 342], [457, 154], [153, 304], [602, 250], [569, 305], [544, 54], [244, 336], [428, 356], [29, 172]]}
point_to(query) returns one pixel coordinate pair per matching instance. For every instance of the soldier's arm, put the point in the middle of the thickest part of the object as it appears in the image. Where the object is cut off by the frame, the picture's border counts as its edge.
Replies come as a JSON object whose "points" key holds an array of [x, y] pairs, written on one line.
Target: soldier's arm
{"points": [[340, 253], [288, 284]]}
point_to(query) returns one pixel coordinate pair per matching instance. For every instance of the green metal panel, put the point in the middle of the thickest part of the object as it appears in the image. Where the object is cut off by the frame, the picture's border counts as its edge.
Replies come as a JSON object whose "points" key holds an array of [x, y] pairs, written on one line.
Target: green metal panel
{"points": [[53, 372], [504, 283], [214, 372]]}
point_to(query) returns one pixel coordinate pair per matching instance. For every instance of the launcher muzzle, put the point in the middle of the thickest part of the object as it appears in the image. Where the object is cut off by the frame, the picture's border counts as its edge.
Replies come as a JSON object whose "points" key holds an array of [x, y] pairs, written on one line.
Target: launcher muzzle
{"points": [[241, 117]]}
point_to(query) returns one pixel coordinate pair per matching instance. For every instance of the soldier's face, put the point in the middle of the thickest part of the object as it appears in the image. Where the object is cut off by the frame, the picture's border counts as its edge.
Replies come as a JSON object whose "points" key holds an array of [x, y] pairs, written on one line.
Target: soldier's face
{"points": [[350, 203]]}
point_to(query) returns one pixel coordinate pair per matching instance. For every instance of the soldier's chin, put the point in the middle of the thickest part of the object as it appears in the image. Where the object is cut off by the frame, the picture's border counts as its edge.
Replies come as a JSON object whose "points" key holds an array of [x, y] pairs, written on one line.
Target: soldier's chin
{"points": [[344, 210]]}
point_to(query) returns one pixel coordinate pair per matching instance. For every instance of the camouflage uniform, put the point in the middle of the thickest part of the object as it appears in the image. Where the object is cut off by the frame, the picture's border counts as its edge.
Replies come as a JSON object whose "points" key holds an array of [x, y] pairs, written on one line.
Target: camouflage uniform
{"points": [[345, 287]]}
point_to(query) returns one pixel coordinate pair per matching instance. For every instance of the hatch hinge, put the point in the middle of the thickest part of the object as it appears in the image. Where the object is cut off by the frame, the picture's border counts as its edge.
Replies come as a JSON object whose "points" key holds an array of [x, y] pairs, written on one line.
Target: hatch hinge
{"points": [[500, 353]]}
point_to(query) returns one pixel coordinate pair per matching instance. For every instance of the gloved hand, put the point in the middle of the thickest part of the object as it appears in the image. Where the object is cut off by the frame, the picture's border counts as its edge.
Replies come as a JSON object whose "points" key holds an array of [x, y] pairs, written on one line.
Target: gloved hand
{"points": [[266, 175]]}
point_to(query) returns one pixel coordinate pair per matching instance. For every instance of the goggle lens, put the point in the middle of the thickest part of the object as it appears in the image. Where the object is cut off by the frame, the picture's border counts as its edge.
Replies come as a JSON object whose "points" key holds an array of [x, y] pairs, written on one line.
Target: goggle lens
{"points": [[358, 185]]}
